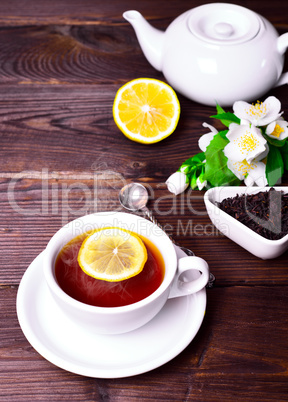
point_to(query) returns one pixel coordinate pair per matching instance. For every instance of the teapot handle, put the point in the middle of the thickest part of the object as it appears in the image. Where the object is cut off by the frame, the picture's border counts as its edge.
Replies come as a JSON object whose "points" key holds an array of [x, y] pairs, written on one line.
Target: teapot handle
{"points": [[282, 44]]}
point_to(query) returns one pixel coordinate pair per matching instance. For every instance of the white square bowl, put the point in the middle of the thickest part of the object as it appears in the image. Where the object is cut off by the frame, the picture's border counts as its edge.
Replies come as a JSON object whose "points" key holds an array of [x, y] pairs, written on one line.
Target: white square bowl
{"points": [[238, 232]]}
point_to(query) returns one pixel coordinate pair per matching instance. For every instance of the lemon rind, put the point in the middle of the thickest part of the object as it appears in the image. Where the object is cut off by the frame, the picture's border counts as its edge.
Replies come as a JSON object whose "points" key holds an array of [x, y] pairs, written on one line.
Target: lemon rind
{"points": [[85, 267], [138, 137]]}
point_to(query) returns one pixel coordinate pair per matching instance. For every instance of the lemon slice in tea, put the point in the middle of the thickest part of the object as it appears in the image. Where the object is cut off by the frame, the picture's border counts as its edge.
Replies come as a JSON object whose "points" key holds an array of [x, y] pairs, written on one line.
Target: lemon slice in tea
{"points": [[112, 254], [146, 110]]}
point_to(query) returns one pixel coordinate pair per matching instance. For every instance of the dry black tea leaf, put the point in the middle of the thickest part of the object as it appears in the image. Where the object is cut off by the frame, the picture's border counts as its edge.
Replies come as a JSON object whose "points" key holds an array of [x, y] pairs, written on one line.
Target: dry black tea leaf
{"points": [[265, 212]]}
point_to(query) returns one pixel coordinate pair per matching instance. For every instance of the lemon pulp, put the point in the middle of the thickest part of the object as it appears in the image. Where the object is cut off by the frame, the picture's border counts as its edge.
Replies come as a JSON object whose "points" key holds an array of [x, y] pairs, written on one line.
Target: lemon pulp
{"points": [[146, 110], [112, 254]]}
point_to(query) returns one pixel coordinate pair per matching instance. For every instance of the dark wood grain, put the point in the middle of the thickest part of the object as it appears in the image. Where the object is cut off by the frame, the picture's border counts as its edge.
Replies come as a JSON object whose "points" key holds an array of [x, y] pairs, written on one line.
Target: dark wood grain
{"points": [[63, 129], [62, 156], [33, 210], [92, 12], [250, 362]]}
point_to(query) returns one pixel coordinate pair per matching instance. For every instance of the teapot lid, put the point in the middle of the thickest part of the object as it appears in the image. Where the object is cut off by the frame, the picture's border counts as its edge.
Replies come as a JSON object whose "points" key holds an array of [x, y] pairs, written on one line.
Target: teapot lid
{"points": [[221, 23]]}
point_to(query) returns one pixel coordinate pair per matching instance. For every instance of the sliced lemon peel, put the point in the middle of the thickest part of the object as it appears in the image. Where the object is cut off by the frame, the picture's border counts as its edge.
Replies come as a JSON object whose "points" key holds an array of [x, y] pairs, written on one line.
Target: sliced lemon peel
{"points": [[112, 254], [146, 110]]}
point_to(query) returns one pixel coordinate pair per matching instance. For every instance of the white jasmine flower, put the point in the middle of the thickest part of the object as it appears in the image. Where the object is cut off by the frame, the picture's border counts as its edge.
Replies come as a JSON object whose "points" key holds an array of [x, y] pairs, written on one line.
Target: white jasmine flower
{"points": [[278, 129], [245, 143], [201, 184], [260, 113], [177, 183], [205, 139], [251, 173]]}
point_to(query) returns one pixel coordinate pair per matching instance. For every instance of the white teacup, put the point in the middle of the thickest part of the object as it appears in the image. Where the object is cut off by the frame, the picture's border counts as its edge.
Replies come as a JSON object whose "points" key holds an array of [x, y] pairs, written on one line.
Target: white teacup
{"points": [[191, 276]]}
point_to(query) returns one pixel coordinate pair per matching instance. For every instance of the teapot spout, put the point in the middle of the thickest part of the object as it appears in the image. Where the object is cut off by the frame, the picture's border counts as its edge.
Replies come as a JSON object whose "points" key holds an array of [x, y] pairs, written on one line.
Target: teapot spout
{"points": [[150, 39]]}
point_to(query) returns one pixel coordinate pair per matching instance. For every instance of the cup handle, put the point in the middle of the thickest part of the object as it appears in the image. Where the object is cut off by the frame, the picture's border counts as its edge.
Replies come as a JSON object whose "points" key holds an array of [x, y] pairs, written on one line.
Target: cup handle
{"points": [[192, 275]]}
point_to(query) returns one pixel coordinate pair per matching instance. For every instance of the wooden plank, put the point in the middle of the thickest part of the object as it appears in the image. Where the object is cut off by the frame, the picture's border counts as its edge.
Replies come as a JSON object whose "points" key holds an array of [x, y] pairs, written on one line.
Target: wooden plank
{"points": [[61, 63], [96, 11], [68, 54], [32, 210], [57, 54], [240, 350], [65, 129]]}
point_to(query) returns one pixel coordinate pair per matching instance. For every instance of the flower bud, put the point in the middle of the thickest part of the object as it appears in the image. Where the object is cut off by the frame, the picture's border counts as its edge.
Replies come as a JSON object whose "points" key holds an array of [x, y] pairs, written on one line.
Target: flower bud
{"points": [[177, 183]]}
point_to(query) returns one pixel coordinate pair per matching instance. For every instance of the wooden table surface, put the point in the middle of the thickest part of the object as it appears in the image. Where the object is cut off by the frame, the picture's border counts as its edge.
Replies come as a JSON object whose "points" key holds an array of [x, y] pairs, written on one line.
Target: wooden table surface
{"points": [[62, 156]]}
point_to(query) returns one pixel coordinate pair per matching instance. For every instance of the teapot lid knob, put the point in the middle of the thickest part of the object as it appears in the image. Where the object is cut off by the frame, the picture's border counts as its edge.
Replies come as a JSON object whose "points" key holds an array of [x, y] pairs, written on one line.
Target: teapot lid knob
{"points": [[224, 29], [222, 23]]}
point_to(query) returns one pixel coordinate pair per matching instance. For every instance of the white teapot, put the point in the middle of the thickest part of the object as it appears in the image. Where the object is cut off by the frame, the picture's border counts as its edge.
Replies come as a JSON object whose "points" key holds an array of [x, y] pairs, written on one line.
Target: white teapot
{"points": [[215, 53]]}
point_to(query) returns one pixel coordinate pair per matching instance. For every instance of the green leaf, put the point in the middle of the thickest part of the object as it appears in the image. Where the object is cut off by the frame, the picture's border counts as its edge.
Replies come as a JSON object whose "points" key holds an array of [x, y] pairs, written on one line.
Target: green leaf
{"points": [[226, 118], [199, 157], [223, 134], [197, 173], [195, 159], [276, 143], [192, 163], [193, 179], [274, 166], [194, 174], [284, 154], [216, 170], [219, 109]]}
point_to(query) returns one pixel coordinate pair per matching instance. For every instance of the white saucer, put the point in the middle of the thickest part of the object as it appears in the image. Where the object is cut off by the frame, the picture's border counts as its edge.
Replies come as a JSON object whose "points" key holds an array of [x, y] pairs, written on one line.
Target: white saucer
{"points": [[69, 347]]}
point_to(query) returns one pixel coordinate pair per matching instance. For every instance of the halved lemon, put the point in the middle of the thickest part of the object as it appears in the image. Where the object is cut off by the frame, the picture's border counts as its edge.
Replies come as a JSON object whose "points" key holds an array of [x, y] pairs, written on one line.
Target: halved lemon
{"points": [[146, 110], [112, 254]]}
